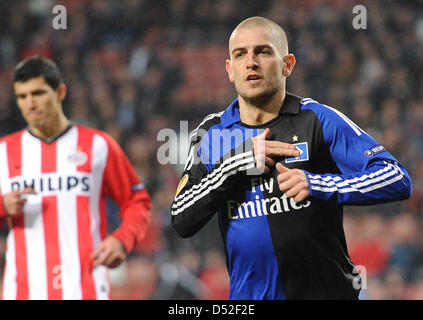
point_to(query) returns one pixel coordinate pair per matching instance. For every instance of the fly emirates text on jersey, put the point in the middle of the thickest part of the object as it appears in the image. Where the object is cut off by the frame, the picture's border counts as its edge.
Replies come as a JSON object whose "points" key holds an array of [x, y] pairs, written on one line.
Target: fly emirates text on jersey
{"points": [[262, 205]]}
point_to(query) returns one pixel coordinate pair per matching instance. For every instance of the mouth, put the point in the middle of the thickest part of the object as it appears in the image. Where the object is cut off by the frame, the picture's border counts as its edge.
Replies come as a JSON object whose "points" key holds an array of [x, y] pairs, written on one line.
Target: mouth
{"points": [[253, 78], [34, 115]]}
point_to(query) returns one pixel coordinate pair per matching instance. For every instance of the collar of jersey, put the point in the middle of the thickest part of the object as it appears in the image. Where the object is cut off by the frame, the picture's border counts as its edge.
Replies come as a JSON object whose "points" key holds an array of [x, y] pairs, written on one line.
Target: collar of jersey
{"points": [[51, 140], [291, 105]]}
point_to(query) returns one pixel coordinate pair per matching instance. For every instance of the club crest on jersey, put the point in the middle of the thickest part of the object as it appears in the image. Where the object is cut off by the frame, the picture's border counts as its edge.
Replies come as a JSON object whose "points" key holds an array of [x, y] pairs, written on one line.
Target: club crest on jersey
{"points": [[303, 148], [181, 184], [78, 157]]}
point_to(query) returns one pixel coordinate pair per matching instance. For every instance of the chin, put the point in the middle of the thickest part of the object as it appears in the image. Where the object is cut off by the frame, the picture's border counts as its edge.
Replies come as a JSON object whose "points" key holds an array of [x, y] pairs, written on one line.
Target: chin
{"points": [[259, 98], [36, 124]]}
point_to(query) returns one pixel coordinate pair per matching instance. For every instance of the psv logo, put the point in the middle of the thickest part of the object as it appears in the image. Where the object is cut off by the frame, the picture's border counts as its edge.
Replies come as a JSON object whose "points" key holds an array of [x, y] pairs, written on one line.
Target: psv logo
{"points": [[78, 157]]}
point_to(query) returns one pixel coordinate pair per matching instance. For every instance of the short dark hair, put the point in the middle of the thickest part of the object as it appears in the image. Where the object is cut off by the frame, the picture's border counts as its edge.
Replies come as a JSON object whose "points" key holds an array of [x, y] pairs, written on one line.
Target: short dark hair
{"points": [[35, 67]]}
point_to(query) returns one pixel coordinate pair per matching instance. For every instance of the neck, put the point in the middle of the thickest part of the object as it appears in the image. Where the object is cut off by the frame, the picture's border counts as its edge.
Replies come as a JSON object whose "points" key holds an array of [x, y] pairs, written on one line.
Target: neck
{"points": [[256, 113], [53, 129]]}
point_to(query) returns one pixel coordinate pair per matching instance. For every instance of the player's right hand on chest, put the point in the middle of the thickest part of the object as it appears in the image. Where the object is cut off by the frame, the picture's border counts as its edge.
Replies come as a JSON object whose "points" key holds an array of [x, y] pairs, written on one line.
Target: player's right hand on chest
{"points": [[266, 150]]}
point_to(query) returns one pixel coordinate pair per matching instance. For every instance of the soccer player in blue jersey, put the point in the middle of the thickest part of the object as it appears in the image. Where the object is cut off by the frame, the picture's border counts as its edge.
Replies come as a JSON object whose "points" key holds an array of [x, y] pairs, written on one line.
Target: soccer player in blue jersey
{"points": [[277, 169]]}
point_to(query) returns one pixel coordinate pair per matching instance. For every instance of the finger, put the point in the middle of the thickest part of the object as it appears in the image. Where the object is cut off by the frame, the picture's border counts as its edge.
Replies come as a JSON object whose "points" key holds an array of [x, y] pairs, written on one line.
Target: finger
{"points": [[270, 162], [113, 260], [262, 135], [99, 261], [259, 145], [294, 189], [116, 262], [287, 186], [283, 148], [281, 168], [102, 257], [301, 196], [27, 190], [97, 252], [279, 144], [108, 260], [266, 133], [282, 152], [17, 200]]}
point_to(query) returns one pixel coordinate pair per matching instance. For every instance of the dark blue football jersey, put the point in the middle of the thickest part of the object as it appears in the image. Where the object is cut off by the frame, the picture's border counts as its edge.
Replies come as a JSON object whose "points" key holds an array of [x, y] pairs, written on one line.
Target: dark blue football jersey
{"points": [[275, 247]]}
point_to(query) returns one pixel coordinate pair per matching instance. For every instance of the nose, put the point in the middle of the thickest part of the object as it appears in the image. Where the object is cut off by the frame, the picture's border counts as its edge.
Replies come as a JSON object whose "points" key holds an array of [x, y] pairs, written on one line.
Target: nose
{"points": [[252, 62], [30, 101]]}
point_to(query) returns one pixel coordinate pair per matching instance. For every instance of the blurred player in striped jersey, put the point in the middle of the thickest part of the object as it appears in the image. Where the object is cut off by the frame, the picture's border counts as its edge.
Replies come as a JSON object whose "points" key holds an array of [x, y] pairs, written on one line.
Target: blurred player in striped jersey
{"points": [[54, 179]]}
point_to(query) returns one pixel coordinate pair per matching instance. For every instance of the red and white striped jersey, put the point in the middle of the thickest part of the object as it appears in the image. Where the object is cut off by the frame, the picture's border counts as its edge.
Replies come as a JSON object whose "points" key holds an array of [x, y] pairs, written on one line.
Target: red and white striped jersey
{"points": [[49, 245]]}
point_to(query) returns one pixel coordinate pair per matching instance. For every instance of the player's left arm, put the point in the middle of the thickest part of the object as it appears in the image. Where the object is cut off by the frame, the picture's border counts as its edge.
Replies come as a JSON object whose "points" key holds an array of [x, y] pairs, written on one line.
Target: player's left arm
{"points": [[369, 173], [123, 185]]}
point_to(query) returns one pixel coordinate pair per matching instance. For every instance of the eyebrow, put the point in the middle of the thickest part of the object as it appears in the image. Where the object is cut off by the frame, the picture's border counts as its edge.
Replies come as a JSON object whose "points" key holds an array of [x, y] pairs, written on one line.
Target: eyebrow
{"points": [[36, 91], [260, 46]]}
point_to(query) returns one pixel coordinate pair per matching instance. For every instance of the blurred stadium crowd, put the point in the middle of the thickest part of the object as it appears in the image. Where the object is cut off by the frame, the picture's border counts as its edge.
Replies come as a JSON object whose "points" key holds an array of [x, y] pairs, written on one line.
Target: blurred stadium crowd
{"points": [[134, 67]]}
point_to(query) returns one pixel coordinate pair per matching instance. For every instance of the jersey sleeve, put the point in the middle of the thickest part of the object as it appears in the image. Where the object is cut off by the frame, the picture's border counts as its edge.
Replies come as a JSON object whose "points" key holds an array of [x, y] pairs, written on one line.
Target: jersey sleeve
{"points": [[369, 173], [205, 185], [123, 185], [3, 212]]}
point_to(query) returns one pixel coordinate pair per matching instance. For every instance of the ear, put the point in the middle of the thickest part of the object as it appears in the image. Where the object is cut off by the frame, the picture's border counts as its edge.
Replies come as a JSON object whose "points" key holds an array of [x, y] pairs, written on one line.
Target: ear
{"points": [[229, 69], [61, 92], [288, 65]]}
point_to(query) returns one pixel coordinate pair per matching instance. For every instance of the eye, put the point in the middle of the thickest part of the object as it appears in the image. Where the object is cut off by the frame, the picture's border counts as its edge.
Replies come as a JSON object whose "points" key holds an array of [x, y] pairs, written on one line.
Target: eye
{"points": [[38, 92], [22, 96], [238, 54], [265, 51]]}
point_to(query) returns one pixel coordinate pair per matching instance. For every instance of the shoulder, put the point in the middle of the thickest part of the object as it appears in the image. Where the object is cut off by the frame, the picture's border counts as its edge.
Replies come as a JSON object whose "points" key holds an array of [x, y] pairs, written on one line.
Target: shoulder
{"points": [[91, 132], [329, 116], [218, 120], [97, 135], [210, 121], [13, 136], [87, 130], [320, 109]]}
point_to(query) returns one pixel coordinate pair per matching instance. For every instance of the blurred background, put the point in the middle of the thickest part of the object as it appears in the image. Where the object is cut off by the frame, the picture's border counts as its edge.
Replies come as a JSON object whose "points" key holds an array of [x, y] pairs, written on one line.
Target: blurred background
{"points": [[134, 67]]}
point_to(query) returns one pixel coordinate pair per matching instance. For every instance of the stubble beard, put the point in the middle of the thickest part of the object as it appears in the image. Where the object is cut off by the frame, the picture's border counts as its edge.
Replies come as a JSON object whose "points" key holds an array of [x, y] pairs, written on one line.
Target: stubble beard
{"points": [[260, 100]]}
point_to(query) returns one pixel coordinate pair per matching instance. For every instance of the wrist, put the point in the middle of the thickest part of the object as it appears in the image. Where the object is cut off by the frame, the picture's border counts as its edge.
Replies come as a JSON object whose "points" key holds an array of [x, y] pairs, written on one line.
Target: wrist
{"points": [[126, 242]]}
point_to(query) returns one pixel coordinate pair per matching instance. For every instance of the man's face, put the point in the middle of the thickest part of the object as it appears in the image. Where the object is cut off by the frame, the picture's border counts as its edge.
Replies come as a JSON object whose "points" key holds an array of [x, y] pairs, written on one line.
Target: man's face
{"points": [[256, 64], [38, 102]]}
